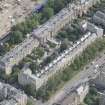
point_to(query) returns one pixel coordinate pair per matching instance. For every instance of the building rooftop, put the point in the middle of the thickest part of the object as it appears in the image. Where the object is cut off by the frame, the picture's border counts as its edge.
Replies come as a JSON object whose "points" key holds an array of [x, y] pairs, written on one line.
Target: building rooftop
{"points": [[50, 24], [72, 96], [17, 50], [10, 95], [100, 14]]}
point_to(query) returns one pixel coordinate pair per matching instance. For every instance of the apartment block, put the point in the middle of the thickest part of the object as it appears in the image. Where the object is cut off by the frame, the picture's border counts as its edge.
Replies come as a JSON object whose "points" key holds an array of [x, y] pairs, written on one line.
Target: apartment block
{"points": [[44, 32], [102, 99], [26, 77], [17, 54], [74, 96], [64, 17], [99, 18], [11, 96]]}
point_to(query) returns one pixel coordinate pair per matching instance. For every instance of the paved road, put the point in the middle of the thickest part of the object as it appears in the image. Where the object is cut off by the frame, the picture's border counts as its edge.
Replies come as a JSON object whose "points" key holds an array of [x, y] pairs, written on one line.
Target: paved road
{"points": [[89, 71]]}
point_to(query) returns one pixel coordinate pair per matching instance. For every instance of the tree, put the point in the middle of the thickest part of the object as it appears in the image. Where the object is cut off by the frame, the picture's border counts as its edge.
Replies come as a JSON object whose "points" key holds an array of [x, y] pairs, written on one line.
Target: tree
{"points": [[92, 97], [50, 3], [88, 101], [30, 102], [47, 13], [30, 89], [34, 67], [63, 47], [4, 48], [93, 91], [62, 34], [38, 52], [16, 37], [58, 5]]}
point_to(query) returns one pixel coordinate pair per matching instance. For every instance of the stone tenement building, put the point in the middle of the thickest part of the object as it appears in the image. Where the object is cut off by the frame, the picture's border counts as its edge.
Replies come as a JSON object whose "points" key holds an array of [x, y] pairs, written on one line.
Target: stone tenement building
{"points": [[100, 79], [74, 96], [46, 31], [102, 99], [100, 82], [11, 96], [99, 18], [26, 77], [17, 54], [65, 16]]}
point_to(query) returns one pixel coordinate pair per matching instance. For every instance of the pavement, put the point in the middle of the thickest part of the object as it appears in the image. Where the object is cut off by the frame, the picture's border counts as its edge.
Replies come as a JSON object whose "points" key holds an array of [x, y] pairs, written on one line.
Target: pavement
{"points": [[90, 71]]}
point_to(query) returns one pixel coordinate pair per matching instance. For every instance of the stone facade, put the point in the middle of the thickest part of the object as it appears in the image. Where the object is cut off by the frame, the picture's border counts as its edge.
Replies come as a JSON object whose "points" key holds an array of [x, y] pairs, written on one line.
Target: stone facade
{"points": [[17, 54], [100, 79], [44, 32], [74, 96], [61, 61], [102, 99], [65, 16], [11, 96], [99, 18]]}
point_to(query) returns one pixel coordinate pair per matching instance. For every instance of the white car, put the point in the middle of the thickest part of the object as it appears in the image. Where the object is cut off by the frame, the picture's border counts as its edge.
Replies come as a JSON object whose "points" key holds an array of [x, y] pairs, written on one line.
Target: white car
{"points": [[95, 71], [96, 66], [92, 62]]}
